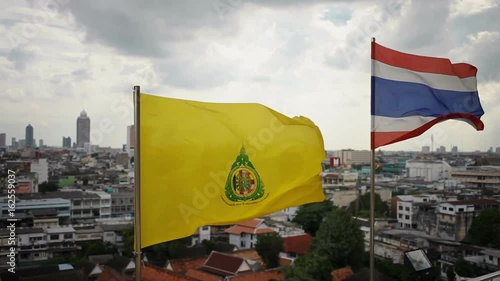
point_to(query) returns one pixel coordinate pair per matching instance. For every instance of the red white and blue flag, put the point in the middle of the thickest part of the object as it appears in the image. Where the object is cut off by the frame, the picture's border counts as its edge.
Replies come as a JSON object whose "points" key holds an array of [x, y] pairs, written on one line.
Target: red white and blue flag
{"points": [[411, 93]]}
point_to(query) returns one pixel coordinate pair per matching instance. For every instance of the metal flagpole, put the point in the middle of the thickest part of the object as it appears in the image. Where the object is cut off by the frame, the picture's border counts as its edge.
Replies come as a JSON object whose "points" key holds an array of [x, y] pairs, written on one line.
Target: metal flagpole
{"points": [[372, 182], [137, 183]]}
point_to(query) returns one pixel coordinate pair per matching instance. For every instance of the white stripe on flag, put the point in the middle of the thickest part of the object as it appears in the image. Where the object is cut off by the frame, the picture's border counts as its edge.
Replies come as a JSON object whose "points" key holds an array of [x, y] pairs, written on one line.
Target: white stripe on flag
{"points": [[401, 124], [436, 81]]}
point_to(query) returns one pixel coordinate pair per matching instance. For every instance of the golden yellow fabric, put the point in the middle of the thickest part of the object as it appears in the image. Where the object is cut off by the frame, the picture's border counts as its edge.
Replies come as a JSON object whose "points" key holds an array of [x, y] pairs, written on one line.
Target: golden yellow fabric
{"points": [[214, 163]]}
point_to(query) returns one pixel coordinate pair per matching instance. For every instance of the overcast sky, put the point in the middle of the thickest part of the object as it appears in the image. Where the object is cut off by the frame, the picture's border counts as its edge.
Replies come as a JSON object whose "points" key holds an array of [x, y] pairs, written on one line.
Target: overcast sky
{"points": [[299, 57]]}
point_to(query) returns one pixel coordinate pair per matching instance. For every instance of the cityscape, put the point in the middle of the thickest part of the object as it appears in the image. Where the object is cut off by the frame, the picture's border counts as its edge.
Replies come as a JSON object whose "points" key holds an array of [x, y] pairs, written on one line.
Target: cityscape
{"points": [[75, 205]]}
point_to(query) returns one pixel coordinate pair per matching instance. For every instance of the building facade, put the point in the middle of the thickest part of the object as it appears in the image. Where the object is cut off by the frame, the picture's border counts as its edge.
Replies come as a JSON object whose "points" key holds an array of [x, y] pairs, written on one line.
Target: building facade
{"points": [[428, 170], [29, 141], [82, 129]]}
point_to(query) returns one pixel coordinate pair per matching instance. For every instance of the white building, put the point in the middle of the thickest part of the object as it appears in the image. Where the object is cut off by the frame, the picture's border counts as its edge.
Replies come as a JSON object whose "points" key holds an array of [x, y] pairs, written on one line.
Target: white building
{"points": [[202, 233], [428, 170], [32, 244], [349, 157], [407, 212], [41, 168], [244, 234]]}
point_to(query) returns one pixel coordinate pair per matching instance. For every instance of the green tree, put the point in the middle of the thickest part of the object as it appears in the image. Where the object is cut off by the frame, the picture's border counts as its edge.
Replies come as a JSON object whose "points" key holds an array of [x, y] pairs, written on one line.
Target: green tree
{"points": [[338, 243], [361, 206], [47, 187], [466, 269], [209, 245], [340, 240], [310, 216], [269, 246], [485, 228]]}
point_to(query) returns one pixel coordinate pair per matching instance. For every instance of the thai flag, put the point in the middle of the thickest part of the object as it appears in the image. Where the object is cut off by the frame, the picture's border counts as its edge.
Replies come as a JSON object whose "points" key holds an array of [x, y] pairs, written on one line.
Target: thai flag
{"points": [[412, 93]]}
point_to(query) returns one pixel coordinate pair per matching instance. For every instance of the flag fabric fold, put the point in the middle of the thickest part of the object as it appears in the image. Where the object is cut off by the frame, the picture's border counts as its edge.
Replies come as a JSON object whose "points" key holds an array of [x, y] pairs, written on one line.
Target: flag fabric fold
{"points": [[412, 93], [217, 164]]}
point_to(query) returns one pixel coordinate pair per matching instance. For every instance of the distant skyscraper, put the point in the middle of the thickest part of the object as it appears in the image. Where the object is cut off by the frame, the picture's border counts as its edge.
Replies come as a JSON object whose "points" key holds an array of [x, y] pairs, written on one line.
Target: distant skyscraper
{"points": [[13, 142], [497, 150], [454, 149], [3, 140], [426, 149], [29, 136], [130, 139], [82, 129], [66, 142], [442, 149], [40, 143]]}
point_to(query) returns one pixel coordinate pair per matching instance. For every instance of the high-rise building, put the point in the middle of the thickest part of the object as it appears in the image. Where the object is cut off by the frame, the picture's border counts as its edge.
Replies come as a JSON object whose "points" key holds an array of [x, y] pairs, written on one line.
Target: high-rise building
{"points": [[130, 139], [426, 149], [29, 136], [3, 140], [442, 149], [454, 149], [40, 143], [66, 142], [82, 129], [13, 142], [497, 150]]}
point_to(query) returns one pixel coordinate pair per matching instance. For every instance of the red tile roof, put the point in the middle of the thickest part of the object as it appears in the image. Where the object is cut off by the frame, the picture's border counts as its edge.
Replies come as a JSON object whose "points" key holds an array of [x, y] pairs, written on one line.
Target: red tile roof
{"points": [[341, 273], [109, 274], [150, 273], [222, 264], [183, 265], [297, 244], [248, 254], [475, 202], [238, 229], [259, 276], [203, 276], [251, 223], [285, 261]]}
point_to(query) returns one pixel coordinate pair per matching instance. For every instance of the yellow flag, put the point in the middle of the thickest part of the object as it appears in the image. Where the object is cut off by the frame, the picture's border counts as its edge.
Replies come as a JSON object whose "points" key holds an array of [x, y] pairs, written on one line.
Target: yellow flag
{"points": [[214, 163]]}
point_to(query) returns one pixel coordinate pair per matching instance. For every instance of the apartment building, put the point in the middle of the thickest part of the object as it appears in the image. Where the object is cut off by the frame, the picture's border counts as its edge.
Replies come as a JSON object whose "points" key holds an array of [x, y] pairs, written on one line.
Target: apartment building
{"points": [[455, 217], [479, 177], [122, 204], [408, 207], [38, 212], [428, 170], [244, 234]]}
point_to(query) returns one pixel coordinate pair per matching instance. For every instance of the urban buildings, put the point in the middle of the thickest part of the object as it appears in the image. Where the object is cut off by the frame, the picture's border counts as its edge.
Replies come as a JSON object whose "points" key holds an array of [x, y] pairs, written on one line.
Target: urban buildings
{"points": [[29, 141], [479, 177], [82, 129], [130, 140], [349, 156], [66, 142], [428, 170], [3, 140], [426, 149]]}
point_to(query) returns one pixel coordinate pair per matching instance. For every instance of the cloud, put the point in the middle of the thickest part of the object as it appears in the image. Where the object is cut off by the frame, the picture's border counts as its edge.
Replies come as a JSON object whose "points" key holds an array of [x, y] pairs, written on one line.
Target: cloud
{"points": [[21, 56]]}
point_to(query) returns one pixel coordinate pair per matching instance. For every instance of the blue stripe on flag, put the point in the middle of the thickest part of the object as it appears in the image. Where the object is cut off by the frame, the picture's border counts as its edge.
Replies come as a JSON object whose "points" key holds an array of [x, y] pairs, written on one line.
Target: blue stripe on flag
{"points": [[401, 99]]}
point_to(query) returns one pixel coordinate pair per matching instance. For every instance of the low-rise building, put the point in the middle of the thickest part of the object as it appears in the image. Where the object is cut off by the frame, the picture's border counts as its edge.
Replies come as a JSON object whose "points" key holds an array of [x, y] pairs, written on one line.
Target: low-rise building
{"points": [[244, 234]]}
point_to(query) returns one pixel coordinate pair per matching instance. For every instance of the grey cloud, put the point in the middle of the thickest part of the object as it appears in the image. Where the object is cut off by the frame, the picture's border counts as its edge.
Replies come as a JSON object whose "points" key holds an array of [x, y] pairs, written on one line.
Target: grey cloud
{"points": [[82, 73], [20, 57]]}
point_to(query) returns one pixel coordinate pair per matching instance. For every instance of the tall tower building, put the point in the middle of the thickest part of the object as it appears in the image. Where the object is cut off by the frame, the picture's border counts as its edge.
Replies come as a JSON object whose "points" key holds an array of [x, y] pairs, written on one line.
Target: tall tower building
{"points": [[130, 139], [82, 129], [3, 140], [29, 136], [66, 142]]}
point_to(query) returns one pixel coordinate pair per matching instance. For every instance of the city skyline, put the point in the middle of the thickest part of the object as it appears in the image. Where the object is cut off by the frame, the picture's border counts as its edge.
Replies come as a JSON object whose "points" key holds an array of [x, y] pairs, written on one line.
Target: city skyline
{"points": [[309, 60]]}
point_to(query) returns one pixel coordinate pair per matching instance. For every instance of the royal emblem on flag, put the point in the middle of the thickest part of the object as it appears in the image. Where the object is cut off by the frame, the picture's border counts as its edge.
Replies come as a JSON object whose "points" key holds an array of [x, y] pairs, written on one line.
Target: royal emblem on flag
{"points": [[243, 182]]}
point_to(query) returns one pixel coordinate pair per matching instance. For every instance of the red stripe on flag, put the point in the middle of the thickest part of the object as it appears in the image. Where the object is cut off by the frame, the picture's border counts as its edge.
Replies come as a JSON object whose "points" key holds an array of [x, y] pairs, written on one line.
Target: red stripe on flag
{"points": [[421, 63], [384, 138]]}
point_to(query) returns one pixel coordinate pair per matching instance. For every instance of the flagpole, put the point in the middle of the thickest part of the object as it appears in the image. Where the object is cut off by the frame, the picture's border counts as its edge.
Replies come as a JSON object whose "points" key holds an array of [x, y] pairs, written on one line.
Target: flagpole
{"points": [[372, 181], [137, 181]]}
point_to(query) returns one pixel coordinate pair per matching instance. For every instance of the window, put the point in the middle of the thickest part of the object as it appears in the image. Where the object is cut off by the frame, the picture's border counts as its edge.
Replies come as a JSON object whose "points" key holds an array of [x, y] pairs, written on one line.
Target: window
{"points": [[54, 237], [68, 236], [109, 234], [407, 217], [443, 208], [407, 209], [400, 216], [400, 207], [425, 200], [77, 203], [490, 258], [204, 228], [251, 237], [460, 209], [242, 235], [242, 244], [450, 209]]}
